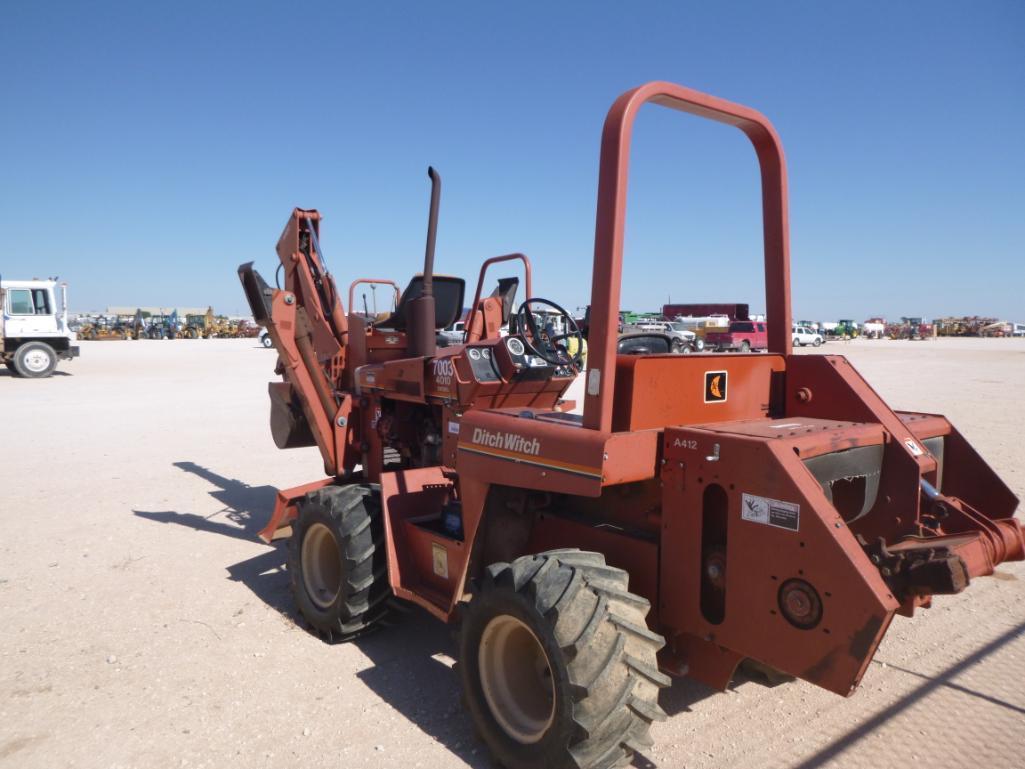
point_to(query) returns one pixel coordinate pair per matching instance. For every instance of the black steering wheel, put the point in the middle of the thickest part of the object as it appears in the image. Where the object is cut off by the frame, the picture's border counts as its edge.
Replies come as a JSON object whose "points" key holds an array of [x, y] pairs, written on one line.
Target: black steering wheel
{"points": [[545, 344]]}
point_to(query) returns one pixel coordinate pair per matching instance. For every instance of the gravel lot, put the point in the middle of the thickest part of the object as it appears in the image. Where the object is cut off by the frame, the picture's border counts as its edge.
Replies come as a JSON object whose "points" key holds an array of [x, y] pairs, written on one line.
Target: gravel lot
{"points": [[142, 624]]}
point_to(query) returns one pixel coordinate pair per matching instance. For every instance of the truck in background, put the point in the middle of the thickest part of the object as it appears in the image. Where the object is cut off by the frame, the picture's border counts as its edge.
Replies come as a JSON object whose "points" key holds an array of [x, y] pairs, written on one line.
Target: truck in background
{"points": [[803, 334], [34, 331], [682, 339], [742, 336]]}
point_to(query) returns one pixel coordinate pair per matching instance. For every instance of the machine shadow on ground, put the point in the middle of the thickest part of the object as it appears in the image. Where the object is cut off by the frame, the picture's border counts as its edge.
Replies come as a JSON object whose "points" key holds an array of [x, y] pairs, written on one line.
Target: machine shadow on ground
{"points": [[246, 507], [412, 655], [6, 372], [828, 755]]}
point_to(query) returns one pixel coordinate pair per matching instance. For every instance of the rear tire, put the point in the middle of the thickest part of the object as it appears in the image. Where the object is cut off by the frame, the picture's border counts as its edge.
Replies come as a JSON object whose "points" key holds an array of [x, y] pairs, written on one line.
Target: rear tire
{"points": [[35, 360], [557, 665], [336, 560]]}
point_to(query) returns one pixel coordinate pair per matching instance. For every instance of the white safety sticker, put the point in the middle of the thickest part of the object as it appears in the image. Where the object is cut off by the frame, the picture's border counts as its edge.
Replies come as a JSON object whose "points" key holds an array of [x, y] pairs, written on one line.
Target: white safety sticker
{"points": [[772, 512], [440, 560], [593, 381], [453, 427], [913, 447]]}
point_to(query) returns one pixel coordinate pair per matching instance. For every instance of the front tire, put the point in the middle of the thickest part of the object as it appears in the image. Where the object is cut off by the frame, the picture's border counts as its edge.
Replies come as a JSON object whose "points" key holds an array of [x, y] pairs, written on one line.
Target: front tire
{"points": [[35, 360], [676, 346], [558, 667], [817, 342], [266, 341], [745, 346], [336, 560]]}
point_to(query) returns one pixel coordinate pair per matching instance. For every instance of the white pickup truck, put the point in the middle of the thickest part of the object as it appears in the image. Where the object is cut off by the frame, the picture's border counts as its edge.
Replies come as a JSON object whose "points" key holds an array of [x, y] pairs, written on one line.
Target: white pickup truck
{"points": [[682, 339], [804, 335], [34, 332]]}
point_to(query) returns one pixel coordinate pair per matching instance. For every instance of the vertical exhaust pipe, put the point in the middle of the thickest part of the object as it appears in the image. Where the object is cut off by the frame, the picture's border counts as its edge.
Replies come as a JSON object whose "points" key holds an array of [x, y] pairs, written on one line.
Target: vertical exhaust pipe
{"points": [[432, 231], [422, 339]]}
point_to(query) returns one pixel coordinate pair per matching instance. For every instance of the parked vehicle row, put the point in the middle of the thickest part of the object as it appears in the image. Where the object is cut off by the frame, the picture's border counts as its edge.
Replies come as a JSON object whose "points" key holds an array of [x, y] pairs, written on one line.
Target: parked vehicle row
{"points": [[717, 334], [162, 326]]}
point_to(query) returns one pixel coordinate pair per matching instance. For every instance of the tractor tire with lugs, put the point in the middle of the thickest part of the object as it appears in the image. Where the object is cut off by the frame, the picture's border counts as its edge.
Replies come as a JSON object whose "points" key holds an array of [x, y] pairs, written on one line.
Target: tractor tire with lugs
{"points": [[558, 665], [337, 560]]}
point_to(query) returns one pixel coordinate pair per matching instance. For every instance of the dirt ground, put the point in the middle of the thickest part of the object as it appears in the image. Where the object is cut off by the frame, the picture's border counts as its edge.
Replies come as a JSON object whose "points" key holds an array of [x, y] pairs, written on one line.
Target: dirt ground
{"points": [[142, 624]]}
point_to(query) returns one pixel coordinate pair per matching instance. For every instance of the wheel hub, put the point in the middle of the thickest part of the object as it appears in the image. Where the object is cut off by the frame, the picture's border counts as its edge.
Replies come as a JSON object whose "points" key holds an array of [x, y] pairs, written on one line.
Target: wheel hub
{"points": [[800, 604], [321, 565], [517, 679], [36, 360]]}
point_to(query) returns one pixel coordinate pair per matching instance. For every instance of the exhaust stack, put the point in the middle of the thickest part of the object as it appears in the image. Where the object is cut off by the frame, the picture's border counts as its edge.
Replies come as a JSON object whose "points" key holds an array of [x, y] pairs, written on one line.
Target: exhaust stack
{"points": [[422, 340]]}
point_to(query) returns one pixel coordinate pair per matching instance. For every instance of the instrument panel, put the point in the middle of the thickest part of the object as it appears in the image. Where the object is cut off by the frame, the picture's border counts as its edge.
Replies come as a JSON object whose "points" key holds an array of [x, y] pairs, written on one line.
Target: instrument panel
{"points": [[483, 364], [510, 359]]}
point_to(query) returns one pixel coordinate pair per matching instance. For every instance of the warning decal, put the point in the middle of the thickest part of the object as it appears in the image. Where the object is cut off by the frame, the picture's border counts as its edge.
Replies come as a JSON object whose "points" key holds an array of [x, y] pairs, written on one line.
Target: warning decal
{"points": [[772, 512], [715, 387], [440, 560]]}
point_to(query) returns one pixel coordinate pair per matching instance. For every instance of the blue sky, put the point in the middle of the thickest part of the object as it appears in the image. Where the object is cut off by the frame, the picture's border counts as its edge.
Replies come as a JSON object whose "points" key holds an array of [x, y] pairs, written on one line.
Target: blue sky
{"points": [[147, 149]]}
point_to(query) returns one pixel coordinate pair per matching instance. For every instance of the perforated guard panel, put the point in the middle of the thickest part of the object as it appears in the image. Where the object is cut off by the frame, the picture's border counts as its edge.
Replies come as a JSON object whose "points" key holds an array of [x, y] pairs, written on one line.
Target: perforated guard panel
{"points": [[849, 479]]}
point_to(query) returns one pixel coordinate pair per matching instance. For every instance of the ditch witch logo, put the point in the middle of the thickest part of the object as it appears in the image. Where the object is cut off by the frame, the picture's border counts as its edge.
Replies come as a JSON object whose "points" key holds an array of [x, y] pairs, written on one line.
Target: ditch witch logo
{"points": [[715, 386], [506, 441]]}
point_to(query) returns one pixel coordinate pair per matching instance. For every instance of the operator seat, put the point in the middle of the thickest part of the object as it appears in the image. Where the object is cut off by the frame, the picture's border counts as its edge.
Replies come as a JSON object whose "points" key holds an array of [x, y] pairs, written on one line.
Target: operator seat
{"points": [[448, 302]]}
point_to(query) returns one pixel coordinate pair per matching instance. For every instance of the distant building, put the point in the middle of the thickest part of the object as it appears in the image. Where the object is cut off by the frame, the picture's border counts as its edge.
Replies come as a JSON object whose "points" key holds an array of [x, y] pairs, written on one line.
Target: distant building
{"points": [[732, 311]]}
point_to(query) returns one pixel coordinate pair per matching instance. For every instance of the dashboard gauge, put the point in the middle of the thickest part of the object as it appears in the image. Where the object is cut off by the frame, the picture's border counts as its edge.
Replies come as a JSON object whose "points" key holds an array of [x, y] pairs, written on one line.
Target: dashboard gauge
{"points": [[486, 354], [515, 346], [474, 353]]}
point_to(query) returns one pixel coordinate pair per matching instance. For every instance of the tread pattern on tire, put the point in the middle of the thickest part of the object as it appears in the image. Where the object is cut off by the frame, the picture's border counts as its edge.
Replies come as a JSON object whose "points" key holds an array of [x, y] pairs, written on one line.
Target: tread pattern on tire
{"points": [[363, 602], [610, 652]]}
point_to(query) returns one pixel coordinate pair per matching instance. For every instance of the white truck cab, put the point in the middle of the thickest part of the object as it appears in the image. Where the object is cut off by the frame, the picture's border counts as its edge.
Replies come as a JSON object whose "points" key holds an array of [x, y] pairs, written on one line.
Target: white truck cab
{"points": [[34, 332]]}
